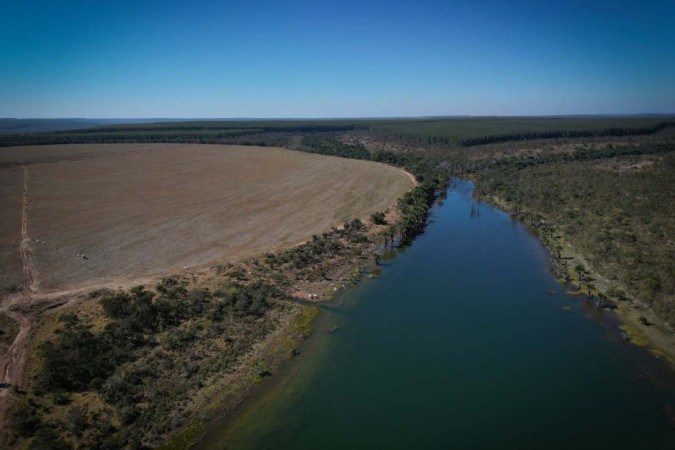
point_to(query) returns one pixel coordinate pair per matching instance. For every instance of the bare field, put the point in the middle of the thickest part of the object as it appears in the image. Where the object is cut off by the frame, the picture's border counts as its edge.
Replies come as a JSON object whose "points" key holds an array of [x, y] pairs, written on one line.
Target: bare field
{"points": [[144, 210], [11, 191]]}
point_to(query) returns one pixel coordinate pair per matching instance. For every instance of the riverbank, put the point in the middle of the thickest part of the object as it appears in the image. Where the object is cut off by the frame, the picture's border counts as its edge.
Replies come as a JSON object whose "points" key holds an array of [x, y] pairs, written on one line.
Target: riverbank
{"points": [[200, 365], [401, 222], [464, 331], [223, 398], [205, 341], [639, 323]]}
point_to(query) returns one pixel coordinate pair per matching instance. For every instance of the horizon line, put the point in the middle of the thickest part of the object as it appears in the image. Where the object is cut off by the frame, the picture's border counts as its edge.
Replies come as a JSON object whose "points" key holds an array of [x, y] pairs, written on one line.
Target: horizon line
{"points": [[451, 116]]}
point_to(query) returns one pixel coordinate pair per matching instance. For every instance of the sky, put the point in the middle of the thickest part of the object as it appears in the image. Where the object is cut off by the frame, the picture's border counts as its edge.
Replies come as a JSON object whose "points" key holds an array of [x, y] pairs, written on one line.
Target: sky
{"points": [[340, 58]]}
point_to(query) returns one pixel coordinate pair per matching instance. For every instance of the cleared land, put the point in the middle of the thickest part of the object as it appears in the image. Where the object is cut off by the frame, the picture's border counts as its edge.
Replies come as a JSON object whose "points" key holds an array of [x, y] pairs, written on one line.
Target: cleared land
{"points": [[10, 227], [143, 210]]}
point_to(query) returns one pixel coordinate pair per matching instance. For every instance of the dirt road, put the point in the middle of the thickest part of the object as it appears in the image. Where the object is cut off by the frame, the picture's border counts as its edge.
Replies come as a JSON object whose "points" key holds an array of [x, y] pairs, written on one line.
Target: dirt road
{"points": [[25, 240], [12, 362]]}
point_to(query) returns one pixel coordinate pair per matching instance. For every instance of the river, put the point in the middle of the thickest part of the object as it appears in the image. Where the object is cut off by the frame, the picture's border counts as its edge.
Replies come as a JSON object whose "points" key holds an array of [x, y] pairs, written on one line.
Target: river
{"points": [[462, 342]]}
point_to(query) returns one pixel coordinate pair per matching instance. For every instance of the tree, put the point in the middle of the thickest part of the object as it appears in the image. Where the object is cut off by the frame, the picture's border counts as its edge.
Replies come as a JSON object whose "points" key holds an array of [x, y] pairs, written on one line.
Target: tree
{"points": [[378, 218]]}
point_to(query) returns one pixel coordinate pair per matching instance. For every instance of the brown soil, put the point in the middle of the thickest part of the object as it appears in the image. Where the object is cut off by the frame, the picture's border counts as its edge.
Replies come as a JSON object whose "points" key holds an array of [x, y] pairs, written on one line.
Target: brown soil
{"points": [[11, 184], [25, 240], [77, 217], [139, 210]]}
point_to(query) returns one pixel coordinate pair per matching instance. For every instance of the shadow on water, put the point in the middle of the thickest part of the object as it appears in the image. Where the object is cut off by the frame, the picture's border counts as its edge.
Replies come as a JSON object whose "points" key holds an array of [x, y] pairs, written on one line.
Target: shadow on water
{"points": [[461, 343]]}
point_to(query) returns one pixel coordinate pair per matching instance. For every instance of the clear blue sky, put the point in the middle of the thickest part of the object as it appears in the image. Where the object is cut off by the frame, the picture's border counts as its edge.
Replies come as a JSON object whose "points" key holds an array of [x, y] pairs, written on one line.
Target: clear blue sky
{"points": [[110, 59]]}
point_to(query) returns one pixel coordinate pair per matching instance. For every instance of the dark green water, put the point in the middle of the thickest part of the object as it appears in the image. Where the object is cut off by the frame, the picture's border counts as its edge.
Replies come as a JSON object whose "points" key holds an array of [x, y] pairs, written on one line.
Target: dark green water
{"points": [[461, 343]]}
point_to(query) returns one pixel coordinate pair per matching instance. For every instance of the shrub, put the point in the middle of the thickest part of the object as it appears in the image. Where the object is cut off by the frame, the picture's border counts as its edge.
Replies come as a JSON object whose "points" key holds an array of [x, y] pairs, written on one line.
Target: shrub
{"points": [[378, 218], [25, 420]]}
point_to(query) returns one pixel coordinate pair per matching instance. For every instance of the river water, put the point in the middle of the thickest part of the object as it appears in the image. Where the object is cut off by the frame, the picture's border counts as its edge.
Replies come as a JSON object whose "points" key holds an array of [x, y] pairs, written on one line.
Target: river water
{"points": [[462, 342]]}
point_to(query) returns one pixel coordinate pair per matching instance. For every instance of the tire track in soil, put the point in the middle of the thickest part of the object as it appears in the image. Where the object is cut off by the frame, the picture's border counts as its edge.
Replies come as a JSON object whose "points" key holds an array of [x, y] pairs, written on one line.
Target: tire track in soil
{"points": [[27, 270], [12, 362]]}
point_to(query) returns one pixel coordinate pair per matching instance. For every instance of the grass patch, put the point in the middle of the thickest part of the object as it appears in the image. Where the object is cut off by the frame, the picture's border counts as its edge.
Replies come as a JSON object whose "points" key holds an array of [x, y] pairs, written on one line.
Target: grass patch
{"points": [[185, 437], [303, 322]]}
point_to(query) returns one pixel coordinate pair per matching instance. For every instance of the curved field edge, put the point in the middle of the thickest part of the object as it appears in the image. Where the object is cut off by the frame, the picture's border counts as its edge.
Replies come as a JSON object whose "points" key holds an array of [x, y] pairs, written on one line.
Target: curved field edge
{"points": [[346, 267], [393, 226], [294, 324], [106, 214]]}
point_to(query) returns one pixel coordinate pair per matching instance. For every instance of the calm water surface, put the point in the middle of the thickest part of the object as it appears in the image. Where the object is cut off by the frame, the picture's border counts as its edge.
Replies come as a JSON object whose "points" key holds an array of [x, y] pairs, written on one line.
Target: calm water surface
{"points": [[461, 343]]}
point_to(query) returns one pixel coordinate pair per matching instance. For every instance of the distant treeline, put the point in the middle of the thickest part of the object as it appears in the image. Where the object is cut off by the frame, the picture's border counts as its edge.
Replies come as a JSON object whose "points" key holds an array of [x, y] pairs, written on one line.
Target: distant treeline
{"points": [[422, 167], [440, 137], [562, 134], [234, 137], [298, 128], [418, 133], [579, 154]]}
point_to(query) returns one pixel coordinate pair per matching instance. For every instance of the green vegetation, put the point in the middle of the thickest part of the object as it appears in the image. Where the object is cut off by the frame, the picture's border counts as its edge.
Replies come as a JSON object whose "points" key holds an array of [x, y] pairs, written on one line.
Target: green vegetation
{"points": [[303, 323], [613, 205], [378, 218], [414, 207], [477, 131], [155, 349]]}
